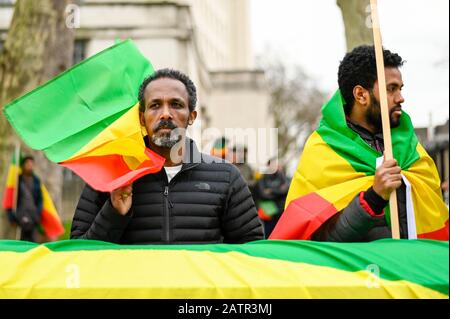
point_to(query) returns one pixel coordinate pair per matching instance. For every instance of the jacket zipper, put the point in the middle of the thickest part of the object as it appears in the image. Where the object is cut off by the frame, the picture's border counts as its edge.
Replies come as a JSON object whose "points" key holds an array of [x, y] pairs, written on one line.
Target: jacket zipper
{"points": [[378, 146], [168, 205], [167, 214]]}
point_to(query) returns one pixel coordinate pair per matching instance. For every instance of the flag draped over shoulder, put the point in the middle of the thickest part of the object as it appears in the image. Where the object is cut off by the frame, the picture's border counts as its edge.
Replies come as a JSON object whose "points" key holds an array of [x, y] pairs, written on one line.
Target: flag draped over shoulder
{"points": [[50, 222], [337, 164], [87, 118], [262, 269]]}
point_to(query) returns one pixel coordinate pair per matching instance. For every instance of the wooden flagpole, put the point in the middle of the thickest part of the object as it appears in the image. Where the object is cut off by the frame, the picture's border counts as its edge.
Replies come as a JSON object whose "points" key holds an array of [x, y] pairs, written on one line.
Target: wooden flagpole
{"points": [[384, 111]]}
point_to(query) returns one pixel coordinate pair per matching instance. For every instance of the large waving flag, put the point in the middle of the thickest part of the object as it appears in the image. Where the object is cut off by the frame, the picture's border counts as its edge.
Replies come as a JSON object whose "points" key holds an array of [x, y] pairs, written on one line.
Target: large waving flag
{"points": [[87, 119], [50, 222], [337, 164], [263, 269]]}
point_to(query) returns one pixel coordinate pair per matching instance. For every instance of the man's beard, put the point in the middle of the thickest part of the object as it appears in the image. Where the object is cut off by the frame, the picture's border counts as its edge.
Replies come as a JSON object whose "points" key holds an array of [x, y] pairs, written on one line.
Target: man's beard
{"points": [[373, 114], [166, 140]]}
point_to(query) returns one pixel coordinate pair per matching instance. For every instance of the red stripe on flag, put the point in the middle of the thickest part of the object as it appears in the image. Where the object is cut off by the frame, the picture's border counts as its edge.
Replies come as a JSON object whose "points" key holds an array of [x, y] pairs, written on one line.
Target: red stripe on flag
{"points": [[8, 198], [110, 172], [303, 217], [51, 224], [441, 234]]}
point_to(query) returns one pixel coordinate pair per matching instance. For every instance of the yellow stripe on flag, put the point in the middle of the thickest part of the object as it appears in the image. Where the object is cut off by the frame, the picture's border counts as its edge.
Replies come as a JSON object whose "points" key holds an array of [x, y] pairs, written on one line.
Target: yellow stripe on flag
{"points": [[165, 274], [309, 176], [123, 137], [13, 173], [47, 203]]}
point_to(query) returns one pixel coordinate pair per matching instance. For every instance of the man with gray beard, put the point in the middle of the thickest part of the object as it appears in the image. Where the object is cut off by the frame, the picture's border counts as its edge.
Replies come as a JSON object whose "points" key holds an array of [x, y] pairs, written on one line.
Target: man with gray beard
{"points": [[196, 198]]}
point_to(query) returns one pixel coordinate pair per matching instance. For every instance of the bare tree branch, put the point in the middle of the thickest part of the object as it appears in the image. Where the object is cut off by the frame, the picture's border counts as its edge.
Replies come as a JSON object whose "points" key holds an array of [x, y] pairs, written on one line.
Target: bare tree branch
{"points": [[295, 104]]}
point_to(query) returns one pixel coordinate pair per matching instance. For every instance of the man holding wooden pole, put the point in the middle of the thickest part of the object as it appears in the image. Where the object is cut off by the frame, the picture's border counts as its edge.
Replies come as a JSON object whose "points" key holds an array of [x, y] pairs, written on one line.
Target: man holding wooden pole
{"points": [[356, 182], [364, 218], [345, 179]]}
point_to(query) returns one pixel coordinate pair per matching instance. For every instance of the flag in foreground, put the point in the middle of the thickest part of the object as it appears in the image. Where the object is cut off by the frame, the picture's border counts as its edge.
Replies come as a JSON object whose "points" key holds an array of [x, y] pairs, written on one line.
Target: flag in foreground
{"points": [[263, 269]]}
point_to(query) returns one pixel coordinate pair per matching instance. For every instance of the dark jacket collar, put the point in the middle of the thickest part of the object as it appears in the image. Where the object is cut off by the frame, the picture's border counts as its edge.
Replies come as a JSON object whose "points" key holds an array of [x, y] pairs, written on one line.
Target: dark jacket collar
{"points": [[376, 140]]}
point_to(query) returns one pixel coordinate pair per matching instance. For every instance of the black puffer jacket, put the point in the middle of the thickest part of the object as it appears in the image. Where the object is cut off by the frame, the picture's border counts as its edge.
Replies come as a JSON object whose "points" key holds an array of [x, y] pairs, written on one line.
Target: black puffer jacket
{"points": [[206, 202]]}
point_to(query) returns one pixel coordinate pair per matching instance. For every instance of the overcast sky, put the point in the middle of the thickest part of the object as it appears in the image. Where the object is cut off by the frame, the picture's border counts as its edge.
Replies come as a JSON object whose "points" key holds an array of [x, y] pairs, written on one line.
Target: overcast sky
{"points": [[310, 33]]}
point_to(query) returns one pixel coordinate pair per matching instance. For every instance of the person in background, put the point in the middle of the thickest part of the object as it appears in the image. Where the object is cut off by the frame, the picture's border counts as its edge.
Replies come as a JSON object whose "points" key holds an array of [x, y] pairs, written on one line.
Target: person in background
{"points": [[29, 202], [239, 159], [270, 193]]}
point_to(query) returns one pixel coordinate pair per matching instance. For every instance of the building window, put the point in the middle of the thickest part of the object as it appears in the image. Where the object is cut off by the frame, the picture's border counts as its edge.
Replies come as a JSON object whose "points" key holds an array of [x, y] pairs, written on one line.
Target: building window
{"points": [[79, 51]]}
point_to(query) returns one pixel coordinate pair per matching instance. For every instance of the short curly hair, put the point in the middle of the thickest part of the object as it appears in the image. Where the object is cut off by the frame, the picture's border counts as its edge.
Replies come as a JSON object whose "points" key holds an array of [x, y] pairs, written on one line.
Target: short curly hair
{"points": [[25, 159], [359, 67], [169, 74]]}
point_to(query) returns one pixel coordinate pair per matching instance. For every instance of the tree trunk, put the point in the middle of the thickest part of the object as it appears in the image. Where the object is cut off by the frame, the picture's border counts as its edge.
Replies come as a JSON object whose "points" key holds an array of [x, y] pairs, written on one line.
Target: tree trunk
{"points": [[356, 15], [38, 47]]}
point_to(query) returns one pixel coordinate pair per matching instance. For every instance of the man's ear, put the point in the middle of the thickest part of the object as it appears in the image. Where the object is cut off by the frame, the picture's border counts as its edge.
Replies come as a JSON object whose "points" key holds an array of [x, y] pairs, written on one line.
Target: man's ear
{"points": [[361, 95], [141, 118], [192, 117]]}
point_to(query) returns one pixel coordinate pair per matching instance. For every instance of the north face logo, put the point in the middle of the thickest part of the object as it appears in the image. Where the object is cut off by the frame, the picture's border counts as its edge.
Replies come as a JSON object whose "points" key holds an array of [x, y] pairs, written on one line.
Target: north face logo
{"points": [[203, 186]]}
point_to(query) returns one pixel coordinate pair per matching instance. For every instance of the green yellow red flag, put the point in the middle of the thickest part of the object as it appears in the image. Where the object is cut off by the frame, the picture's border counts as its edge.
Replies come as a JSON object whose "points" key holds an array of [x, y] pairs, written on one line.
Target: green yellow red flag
{"points": [[87, 118], [262, 269]]}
